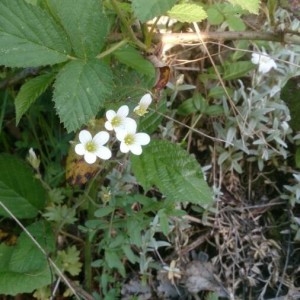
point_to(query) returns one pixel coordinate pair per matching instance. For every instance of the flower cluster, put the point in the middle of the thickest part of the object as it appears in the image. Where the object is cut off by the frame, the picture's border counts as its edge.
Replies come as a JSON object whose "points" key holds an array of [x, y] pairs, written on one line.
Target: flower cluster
{"points": [[125, 129]]}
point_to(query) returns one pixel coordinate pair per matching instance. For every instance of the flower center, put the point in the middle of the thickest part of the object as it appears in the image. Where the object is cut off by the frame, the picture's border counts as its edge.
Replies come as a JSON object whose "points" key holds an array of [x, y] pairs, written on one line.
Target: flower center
{"points": [[129, 139], [141, 110], [90, 146], [116, 121]]}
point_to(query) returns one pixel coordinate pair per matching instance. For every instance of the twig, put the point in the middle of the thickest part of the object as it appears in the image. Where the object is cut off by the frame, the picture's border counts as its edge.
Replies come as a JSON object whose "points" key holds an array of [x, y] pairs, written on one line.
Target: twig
{"points": [[179, 38]]}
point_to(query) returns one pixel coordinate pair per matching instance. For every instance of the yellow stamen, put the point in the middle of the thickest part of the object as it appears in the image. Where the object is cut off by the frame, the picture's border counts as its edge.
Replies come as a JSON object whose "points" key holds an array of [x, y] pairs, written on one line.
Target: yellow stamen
{"points": [[90, 146], [129, 139]]}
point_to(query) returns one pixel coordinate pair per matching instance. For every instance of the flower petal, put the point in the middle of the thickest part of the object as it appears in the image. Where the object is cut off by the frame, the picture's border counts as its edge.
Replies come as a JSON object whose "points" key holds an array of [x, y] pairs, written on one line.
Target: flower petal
{"points": [[85, 136], [142, 138], [90, 158], [123, 111], [120, 135], [79, 149], [146, 100], [255, 58], [124, 148], [130, 125], [136, 149], [110, 114], [101, 138], [108, 126], [103, 153]]}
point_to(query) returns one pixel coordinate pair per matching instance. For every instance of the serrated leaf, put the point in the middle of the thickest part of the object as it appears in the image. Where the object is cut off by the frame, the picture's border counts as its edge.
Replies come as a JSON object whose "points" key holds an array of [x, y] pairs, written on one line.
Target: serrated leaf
{"points": [[21, 263], [188, 12], [69, 260], [85, 24], [29, 37], [132, 58], [29, 92], [81, 88], [251, 5], [147, 10], [176, 173], [20, 192]]}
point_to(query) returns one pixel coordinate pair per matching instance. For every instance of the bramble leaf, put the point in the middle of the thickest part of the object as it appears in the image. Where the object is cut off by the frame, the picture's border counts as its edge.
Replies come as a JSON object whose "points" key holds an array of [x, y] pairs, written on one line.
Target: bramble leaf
{"points": [[85, 23], [21, 263], [81, 88], [176, 173], [29, 36], [20, 192], [251, 5], [188, 12], [30, 91], [147, 10]]}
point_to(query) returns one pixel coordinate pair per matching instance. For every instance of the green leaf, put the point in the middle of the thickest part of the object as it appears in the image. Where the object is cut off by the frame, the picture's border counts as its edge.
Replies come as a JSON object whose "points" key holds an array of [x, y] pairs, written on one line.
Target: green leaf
{"points": [[24, 268], [235, 23], [30, 91], [214, 16], [85, 23], [104, 211], [237, 69], [176, 173], [29, 37], [20, 192], [188, 12], [69, 260], [113, 261], [133, 58], [80, 90], [147, 10], [251, 5]]}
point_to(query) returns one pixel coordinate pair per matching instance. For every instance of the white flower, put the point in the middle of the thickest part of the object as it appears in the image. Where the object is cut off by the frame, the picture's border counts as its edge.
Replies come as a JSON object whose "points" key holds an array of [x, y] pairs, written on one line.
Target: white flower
{"points": [[145, 101], [132, 141], [118, 120], [264, 61], [92, 147]]}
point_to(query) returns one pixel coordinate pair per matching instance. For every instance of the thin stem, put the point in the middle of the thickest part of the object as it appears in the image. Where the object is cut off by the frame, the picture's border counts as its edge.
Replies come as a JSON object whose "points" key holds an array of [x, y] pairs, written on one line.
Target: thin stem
{"points": [[128, 28], [112, 49]]}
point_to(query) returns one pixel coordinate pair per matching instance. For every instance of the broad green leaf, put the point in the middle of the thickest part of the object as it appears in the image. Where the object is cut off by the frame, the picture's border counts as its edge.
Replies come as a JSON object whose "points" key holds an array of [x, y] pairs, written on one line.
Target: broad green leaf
{"points": [[251, 5], [133, 58], [29, 37], [147, 10], [235, 23], [176, 173], [24, 268], [188, 12], [20, 192], [30, 91], [214, 16], [85, 24], [80, 90], [237, 69]]}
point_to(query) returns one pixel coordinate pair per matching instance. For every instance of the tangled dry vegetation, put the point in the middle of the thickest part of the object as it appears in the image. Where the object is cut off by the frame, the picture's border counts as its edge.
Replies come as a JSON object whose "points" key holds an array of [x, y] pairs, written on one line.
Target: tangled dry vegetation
{"points": [[244, 249]]}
